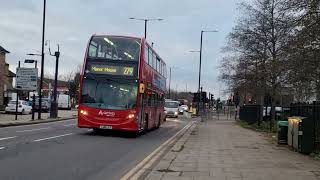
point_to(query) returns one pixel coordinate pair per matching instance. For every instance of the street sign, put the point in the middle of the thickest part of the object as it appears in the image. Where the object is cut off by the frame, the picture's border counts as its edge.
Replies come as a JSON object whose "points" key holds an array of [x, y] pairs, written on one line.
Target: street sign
{"points": [[29, 61], [26, 79]]}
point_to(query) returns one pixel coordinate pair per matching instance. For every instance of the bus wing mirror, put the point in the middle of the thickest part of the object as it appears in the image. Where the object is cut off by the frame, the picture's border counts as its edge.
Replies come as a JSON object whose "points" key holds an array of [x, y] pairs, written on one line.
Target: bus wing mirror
{"points": [[141, 88]]}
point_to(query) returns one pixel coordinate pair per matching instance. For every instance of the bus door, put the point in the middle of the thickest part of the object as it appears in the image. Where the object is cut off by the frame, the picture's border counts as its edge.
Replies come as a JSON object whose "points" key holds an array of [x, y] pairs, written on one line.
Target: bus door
{"points": [[154, 110], [143, 104]]}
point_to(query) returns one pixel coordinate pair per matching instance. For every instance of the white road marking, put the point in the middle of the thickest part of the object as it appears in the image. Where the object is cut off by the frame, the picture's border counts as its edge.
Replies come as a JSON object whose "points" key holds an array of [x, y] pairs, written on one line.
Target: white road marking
{"points": [[89, 130], [29, 130], [2, 148], [174, 120], [7, 138], [67, 125], [43, 139]]}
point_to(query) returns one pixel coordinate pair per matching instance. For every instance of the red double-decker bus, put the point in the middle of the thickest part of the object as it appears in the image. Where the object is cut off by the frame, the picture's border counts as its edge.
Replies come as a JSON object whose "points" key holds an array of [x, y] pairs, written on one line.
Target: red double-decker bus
{"points": [[123, 84]]}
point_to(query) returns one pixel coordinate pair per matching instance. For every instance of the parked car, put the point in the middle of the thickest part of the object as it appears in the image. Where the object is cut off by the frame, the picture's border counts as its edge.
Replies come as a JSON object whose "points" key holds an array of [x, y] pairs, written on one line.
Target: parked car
{"points": [[278, 111], [171, 108], [45, 104], [64, 101], [183, 108], [23, 107]]}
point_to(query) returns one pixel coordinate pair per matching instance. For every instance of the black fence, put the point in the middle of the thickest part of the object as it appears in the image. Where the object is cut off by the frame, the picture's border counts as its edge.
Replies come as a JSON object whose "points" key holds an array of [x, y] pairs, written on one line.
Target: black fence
{"points": [[311, 111], [250, 113]]}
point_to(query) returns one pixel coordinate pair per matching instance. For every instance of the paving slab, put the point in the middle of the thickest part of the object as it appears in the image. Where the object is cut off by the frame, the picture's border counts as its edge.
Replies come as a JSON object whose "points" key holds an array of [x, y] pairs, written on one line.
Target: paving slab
{"points": [[221, 149]]}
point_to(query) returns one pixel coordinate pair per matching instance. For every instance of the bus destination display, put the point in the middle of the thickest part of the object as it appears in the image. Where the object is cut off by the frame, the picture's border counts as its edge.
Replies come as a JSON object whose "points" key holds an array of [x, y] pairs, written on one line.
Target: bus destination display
{"points": [[112, 70]]}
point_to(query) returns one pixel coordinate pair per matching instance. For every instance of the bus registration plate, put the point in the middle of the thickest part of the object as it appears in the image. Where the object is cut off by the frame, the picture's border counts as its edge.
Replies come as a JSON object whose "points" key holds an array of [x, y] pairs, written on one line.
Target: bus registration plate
{"points": [[105, 127]]}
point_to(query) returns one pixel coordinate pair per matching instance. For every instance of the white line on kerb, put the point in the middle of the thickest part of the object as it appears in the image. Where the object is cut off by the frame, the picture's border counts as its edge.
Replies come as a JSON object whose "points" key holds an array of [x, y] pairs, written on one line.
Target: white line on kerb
{"points": [[29, 130], [38, 140], [7, 138], [67, 125], [2, 148], [146, 163]]}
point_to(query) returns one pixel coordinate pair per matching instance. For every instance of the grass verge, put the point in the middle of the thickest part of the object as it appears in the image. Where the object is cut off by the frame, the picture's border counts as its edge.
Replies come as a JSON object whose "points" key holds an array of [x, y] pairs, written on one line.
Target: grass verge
{"points": [[315, 155], [264, 126]]}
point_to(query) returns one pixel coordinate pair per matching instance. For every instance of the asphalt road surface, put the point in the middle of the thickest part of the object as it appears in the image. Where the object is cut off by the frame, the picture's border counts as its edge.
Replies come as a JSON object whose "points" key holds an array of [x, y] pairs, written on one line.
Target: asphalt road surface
{"points": [[60, 150]]}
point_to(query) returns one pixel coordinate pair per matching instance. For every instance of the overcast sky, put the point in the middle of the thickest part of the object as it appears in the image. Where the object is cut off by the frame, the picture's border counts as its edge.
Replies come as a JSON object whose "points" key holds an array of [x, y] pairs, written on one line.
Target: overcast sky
{"points": [[71, 22]]}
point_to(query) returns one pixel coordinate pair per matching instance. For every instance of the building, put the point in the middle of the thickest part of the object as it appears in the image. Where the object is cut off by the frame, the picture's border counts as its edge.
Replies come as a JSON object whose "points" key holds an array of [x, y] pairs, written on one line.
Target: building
{"points": [[6, 78], [48, 85]]}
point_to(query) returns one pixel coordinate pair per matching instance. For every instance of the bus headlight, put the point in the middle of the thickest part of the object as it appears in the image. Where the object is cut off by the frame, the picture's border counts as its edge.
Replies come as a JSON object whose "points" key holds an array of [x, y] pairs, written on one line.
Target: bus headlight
{"points": [[83, 112], [175, 113], [130, 116]]}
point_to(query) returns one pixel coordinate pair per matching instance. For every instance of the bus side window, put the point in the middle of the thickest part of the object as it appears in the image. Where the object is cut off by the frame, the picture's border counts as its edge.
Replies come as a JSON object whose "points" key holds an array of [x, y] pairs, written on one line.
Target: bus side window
{"points": [[149, 56], [149, 99], [146, 54], [154, 100]]}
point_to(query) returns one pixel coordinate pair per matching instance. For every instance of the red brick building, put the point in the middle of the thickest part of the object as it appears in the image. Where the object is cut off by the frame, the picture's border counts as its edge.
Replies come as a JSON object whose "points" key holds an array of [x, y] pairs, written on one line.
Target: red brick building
{"points": [[48, 85], [6, 78]]}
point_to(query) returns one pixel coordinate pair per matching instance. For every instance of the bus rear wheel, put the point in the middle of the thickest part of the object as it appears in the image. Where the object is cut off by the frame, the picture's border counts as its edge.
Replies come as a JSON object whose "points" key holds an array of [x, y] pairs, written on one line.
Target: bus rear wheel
{"points": [[158, 123]]}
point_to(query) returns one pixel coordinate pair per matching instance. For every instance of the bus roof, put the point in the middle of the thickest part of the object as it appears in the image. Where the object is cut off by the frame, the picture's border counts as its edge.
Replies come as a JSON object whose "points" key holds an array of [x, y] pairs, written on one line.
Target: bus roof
{"points": [[103, 34]]}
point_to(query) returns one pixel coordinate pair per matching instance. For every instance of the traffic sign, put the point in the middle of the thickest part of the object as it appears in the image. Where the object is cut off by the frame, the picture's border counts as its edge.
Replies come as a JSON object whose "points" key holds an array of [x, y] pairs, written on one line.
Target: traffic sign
{"points": [[26, 79]]}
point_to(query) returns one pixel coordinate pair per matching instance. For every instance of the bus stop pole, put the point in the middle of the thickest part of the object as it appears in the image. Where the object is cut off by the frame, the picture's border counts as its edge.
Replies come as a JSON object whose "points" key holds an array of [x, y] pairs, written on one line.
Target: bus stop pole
{"points": [[17, 98], [33, 105]]}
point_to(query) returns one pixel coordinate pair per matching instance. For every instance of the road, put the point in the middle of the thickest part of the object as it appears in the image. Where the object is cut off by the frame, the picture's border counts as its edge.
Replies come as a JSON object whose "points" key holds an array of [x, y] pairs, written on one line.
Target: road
{"points": [[60, 150]]}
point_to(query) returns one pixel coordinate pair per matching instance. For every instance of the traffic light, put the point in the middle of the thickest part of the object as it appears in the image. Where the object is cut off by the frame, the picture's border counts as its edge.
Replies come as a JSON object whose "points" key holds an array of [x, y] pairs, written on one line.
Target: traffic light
{"points": [[211, 97], [204, 97]]}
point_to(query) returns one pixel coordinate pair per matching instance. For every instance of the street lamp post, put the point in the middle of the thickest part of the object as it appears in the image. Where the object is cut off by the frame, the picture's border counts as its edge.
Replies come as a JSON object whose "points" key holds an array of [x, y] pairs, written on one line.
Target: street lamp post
{"points": [[54, 104], [170, 83], [146, 23], [201, 37], [42, 58], [198, 103]]}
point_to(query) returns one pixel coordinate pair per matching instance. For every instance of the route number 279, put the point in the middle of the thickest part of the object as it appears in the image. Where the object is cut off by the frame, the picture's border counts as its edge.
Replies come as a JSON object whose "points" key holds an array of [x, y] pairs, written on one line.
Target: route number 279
{"points": [[128, 71]]}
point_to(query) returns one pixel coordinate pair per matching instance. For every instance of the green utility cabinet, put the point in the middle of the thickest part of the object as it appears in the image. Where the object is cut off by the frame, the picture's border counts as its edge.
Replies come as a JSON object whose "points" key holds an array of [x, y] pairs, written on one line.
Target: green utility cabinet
{"points": [[301, 134], [282, 132]]}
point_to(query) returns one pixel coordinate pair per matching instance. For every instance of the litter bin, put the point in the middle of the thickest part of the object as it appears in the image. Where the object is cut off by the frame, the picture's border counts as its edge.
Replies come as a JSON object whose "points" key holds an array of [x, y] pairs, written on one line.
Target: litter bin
{"points": [[282, 132]]}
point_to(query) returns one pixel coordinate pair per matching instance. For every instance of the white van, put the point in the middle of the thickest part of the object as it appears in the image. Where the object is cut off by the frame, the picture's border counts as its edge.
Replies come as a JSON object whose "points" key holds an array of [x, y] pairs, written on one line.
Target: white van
{"points": [[171, 108], [64, 101]]}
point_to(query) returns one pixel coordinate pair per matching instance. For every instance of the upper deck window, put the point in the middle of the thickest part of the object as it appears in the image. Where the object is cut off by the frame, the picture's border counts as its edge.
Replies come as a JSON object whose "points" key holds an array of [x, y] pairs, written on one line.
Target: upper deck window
{"points": [[114, 48]]}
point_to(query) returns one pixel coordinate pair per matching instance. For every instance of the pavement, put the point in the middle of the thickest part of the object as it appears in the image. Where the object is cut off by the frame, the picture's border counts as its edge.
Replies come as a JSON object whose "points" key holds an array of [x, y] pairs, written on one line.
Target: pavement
{"points": [[60, 150], [222, 150], [9, 119]]}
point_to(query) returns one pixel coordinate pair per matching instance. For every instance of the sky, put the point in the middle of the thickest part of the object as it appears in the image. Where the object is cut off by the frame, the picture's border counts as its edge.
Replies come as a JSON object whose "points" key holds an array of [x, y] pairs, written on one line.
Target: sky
{"points": [[70, 24]]}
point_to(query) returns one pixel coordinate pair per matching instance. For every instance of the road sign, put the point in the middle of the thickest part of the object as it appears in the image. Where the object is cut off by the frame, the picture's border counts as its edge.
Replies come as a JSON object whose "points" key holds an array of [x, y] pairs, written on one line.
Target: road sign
{"points": [[29, 61], [26, 79]]}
